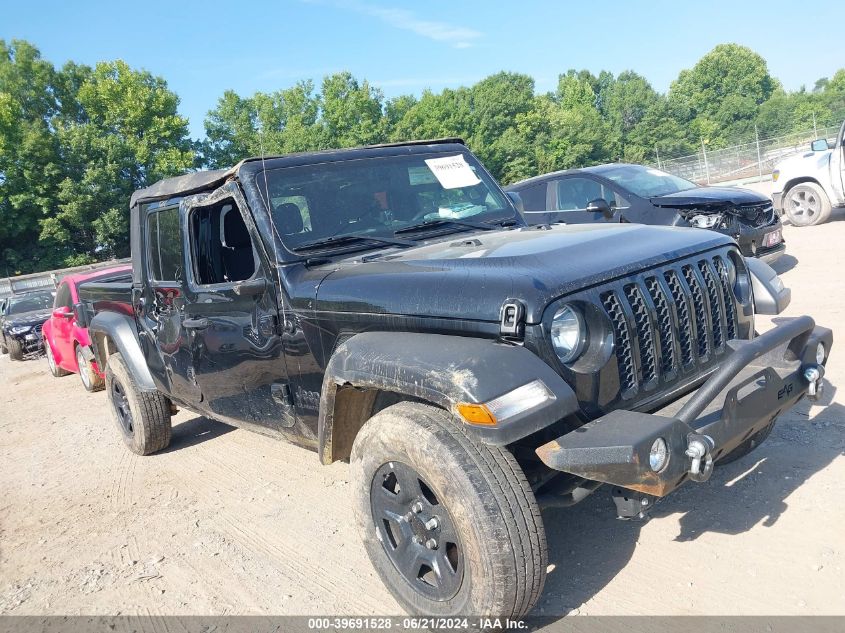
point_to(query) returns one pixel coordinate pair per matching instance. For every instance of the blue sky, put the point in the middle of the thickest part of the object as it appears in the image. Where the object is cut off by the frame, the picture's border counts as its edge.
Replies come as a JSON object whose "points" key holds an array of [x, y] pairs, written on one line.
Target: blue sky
{"points": [[204, 48]]}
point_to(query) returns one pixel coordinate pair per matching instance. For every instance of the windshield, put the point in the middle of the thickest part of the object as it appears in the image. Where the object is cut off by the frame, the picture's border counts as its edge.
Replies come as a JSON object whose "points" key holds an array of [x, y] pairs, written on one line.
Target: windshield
{"points": [[646, 182], [29, 303], [376, 198]]}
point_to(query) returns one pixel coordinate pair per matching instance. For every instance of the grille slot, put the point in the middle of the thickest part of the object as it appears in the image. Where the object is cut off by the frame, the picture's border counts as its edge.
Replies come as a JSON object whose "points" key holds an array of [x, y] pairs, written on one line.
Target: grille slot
{"points": [[699, 311], [624, 350], [670, 321], [666, 331], [714, 294], [684, 317], [730, 308], [648, 358]]}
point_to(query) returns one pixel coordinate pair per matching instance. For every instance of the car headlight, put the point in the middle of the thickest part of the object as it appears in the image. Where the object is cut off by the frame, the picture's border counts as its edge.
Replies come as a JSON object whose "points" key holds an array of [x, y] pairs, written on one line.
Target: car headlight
{"points": [[730, 271], [569, 334], [20, 329]]}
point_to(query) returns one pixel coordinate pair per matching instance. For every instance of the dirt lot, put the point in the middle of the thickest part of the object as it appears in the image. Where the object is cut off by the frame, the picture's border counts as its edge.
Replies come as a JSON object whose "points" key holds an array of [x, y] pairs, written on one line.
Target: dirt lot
{"points": [[229, 522]]}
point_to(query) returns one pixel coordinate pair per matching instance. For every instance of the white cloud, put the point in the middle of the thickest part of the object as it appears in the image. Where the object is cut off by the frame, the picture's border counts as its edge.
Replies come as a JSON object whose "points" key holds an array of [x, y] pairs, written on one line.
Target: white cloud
{"points": [[455, 36]]}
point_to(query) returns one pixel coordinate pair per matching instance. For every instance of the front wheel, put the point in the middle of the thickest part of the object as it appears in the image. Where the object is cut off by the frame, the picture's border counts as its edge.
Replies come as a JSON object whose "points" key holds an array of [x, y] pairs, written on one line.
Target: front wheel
{"points": [[143, 417], [15, 349], [807, 204], [450, 525]]}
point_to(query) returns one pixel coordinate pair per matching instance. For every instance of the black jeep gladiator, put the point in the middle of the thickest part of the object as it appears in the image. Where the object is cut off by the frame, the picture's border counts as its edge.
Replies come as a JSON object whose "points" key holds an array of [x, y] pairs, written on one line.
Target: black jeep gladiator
{"points": [[387, 306]]}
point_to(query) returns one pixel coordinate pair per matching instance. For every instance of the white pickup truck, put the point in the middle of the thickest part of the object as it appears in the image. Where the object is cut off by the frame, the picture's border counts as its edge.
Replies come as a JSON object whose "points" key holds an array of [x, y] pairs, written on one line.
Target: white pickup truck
{"points": [[808, 186]]}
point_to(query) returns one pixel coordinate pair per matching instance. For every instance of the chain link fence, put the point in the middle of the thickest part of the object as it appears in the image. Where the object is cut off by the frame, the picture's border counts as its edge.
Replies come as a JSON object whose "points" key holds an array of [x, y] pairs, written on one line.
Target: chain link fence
{"points": [[746, 161]]}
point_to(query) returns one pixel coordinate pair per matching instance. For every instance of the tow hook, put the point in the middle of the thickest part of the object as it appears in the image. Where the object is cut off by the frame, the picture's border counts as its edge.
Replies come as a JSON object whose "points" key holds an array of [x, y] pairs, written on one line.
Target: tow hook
{"points": [[700, 450], [815, 384]]}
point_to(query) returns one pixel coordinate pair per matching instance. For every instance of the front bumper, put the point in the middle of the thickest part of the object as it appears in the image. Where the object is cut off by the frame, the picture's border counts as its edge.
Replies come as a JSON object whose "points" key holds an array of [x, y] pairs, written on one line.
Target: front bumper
{"points": [[777, 201], [31, 341], [760, 379]]}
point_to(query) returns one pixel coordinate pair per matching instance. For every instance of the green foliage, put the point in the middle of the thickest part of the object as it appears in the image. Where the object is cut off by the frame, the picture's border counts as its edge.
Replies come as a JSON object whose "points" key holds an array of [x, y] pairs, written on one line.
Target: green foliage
{"points": [[74, 144], [76, 141], [721, 94]]}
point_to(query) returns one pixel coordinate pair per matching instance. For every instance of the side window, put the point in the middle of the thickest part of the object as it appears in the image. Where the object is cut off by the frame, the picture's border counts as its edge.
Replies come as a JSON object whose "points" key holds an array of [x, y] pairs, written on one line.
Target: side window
{"points": [[534, 198], [63, 298], [165, 245], [221, 247], [573, 194]]}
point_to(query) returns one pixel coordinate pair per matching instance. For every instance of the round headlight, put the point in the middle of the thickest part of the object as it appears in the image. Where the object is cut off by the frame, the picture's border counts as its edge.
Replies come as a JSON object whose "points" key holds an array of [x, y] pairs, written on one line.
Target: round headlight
{"points": [[659, 455], [730, 271], [568, 334], [819, 353]]}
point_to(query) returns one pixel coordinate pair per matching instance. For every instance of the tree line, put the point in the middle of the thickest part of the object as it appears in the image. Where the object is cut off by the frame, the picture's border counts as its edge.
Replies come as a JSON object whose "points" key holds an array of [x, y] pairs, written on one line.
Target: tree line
{"points": [[76, 141]]}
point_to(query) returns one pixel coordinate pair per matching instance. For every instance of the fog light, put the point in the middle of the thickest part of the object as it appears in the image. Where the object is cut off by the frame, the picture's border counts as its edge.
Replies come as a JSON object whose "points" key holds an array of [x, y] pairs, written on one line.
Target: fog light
{"points": [[659, 455], [819, 353]]}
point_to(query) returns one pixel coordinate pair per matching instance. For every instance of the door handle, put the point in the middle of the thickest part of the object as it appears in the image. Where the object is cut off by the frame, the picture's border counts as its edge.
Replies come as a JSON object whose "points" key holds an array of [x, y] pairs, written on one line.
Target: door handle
{"points": [[195, 324]]}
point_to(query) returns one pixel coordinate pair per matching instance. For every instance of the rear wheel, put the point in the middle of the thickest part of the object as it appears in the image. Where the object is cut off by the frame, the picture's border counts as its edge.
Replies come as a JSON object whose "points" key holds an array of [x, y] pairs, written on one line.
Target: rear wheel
{"points": [[55, 370], [143, 417], [450, 525], [91, 380], [15, 349], [807, 204]]}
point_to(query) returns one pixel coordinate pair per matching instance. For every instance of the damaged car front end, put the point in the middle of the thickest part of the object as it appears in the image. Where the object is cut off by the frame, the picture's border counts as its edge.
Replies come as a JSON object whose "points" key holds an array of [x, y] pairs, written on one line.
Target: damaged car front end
{"points": [[748, 219]]}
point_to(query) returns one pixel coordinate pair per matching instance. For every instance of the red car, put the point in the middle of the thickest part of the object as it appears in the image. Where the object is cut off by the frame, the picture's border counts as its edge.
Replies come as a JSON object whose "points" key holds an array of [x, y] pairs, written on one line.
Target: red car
{"points": [[66, 343]]}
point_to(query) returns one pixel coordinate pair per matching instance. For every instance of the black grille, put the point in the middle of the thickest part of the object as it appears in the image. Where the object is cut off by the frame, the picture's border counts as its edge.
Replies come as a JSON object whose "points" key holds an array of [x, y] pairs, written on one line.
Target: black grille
{"points": [[755, 215], [670, 321]]}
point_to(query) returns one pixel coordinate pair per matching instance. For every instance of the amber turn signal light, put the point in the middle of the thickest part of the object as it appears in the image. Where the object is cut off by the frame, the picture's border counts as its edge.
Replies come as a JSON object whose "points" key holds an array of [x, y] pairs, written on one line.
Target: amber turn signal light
{"points": [[476, 414]]}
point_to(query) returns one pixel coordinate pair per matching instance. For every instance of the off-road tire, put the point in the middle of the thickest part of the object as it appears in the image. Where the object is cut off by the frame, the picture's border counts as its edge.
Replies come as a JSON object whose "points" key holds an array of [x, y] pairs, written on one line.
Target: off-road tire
{"points": [[90, 379], [748, 445], [3, 349], [55, 370], [150, 426], [814, 192], [15, 349], [486, 495]]}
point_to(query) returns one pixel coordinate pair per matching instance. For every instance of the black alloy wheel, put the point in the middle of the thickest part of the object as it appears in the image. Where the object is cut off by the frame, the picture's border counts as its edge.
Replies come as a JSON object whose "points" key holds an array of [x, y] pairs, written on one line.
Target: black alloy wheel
{"points": [[416, 532], [122, 409]]}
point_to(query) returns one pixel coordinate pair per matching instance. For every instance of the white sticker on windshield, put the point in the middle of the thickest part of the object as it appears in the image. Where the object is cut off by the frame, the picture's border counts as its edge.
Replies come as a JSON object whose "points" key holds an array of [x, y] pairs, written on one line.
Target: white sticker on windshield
{"points": [[452, 171]]}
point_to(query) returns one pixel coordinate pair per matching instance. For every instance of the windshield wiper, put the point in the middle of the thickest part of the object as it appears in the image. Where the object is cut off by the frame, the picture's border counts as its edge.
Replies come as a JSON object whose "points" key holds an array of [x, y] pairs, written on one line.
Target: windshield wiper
{"points": [[443, 221], [343, 240]]}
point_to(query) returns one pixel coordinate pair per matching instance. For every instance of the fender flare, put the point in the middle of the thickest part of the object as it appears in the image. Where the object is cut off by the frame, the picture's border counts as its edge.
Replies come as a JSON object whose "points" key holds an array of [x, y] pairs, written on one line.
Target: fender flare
{"points": [[121, 331], [770, 295], [443, 370]]}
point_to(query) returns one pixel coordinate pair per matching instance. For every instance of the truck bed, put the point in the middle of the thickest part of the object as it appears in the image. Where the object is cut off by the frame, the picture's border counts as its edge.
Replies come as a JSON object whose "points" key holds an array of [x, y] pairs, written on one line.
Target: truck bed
{"points": [[114, 295]]}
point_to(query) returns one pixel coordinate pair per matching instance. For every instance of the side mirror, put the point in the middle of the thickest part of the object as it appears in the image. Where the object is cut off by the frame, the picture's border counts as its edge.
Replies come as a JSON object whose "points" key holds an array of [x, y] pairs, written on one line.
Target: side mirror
{"points": [[819, 145], [517, 201], [62, 312], [599, 205]]}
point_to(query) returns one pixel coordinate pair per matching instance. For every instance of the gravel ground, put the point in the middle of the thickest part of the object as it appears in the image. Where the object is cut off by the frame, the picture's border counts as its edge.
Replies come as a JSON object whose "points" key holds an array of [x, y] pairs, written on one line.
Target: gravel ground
{"points": [[230, 522]]}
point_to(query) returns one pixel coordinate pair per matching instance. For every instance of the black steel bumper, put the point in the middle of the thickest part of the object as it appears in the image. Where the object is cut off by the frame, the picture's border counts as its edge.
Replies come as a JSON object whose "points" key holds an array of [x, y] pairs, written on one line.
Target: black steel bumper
{"points": [[758, 381]]}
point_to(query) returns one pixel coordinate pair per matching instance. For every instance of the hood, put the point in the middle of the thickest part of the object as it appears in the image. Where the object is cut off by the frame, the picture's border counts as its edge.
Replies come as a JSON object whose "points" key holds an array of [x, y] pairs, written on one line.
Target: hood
{"points": [[469, 276], [803, 162], [710, 197], [36, 317]]}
